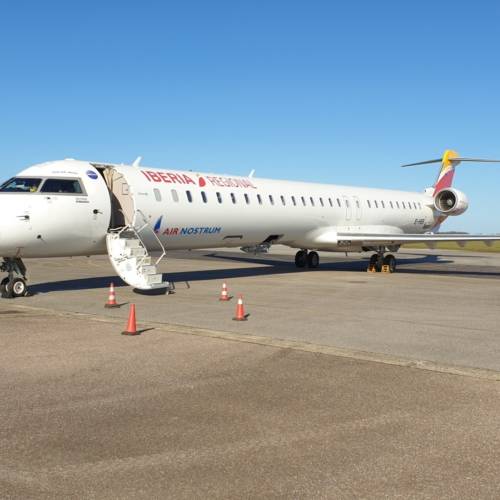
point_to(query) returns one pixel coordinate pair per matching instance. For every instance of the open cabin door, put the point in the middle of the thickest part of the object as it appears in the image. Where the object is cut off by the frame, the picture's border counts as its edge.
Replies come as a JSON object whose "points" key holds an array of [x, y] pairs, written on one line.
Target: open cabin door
{"points": [[122, 201]]}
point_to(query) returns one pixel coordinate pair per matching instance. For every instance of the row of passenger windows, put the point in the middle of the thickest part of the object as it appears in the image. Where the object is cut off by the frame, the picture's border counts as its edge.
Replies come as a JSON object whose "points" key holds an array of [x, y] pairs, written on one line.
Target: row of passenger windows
{"points": [[299, 200]]}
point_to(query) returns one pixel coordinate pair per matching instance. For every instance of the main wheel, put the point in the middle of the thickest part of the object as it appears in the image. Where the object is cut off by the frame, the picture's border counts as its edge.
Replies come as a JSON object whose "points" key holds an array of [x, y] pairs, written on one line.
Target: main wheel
{"points": [[301, 258], [375, 264], [390, 262], [312, 260]]}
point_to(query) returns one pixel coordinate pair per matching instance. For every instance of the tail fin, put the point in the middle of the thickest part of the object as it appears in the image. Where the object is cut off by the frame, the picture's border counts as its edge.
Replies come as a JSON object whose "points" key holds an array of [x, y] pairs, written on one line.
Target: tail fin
{"points": [[447, 172], [448, 162]]}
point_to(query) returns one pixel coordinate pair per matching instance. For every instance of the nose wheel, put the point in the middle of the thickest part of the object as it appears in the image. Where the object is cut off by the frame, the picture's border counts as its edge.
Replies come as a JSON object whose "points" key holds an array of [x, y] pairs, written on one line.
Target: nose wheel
{"points": [[14, 285]]}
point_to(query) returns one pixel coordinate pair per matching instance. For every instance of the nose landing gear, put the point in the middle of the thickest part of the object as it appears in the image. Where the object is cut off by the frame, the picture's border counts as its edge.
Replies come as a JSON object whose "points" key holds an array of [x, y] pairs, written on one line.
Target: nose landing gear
{"points": [[14, 285]]}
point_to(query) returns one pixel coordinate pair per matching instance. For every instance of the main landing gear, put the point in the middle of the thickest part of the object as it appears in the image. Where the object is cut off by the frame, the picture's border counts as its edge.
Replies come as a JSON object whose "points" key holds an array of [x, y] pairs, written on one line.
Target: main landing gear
{"points": [[382, 263], [14, 285], [303, 258]]}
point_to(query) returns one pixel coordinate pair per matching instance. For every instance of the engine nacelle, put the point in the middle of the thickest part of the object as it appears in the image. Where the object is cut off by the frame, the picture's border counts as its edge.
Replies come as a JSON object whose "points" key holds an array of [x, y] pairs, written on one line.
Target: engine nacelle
{"points": [[451, 201]]}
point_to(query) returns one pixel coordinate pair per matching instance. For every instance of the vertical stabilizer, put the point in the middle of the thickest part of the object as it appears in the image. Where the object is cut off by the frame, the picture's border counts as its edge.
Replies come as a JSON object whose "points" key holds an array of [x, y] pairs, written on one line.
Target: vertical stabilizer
{"points": [[445, 176]]}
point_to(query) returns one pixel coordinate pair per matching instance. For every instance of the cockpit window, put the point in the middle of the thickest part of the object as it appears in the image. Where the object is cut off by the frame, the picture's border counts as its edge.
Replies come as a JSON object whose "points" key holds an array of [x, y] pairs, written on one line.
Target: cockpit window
{"points": [[68, 186], [20, 185]]}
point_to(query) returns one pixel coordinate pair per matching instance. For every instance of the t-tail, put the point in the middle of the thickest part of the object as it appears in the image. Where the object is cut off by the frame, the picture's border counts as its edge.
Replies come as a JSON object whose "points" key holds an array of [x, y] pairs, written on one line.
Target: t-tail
{"points": [[449, 161]]}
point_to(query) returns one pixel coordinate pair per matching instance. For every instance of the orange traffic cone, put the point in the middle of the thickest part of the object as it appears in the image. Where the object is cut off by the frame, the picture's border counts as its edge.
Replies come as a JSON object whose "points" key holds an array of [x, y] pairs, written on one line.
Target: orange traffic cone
{"points": [[240, 311], [111, 298], [224, 295], [131, 326]]}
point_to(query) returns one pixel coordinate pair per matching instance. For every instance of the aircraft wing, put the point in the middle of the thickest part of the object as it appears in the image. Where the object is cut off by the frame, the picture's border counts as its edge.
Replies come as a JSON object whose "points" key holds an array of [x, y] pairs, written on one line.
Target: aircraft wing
{"points": [[374, 239]]}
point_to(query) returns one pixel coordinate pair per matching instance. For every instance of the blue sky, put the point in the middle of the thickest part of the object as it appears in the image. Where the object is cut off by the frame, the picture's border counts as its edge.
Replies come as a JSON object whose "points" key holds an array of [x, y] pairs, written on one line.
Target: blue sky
{"points": [[340, 92]]}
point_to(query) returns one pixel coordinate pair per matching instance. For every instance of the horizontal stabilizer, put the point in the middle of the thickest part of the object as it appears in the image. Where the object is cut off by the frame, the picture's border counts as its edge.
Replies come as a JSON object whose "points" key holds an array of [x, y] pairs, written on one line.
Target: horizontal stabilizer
{"points": [[453, 160]]}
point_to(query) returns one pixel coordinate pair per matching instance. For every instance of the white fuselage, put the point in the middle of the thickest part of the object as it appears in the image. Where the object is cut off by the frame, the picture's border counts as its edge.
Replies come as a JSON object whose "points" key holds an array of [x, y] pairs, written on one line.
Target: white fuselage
{"points": [[191, 210]]}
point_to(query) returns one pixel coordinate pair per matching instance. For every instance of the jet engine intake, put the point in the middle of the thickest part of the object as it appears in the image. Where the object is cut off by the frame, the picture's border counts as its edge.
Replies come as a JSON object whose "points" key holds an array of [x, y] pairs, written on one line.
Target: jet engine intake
{"points": [[451, 201]]}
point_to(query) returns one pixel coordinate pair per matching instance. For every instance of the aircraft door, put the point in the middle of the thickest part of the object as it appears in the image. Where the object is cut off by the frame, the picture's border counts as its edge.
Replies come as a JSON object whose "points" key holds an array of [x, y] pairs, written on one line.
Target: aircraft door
{"points": [[348, 208], [122, 201], [357, 207]]}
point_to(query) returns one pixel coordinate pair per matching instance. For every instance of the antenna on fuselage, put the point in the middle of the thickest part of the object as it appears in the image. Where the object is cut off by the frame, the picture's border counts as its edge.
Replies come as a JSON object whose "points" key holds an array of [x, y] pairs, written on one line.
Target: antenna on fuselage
{"points": [[137, 161], [250, 175]]}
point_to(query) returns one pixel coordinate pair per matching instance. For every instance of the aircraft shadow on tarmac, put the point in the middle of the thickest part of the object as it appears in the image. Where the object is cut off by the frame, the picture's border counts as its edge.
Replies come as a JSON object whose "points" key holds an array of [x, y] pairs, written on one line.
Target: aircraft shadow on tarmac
{"points": [[270, 266]]}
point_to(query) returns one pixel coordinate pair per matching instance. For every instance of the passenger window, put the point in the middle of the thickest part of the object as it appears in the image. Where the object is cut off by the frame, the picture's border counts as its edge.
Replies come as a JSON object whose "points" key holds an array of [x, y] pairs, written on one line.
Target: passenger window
{"points": [[357, 204], [157, 193], [247, 198], [175, 196], [64, 186], [419, 205], [233, 198], [346, 203], [383, 204], [303, 200], [271, 199], [369, 204], [20, 185], [390, 203], [397, 204], [330, 201], [403, 203], [375, 203], [415, 205], [282, 200], [189, 196], [204, 196], [293, 201], [321, 201], [219, 197], [312, 201], [259, 199], [338, 202]]}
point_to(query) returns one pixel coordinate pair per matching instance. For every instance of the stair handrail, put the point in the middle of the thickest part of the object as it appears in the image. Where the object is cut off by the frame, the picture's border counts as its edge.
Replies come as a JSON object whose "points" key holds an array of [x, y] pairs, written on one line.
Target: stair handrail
{"points": [[146, 224], [131, 226]]}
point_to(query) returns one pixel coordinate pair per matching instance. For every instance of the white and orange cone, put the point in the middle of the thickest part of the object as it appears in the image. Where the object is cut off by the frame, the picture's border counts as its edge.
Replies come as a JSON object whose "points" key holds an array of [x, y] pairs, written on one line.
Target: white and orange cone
{"points": [[240, 310], [224, 294], [111, 298], [131, 324]]}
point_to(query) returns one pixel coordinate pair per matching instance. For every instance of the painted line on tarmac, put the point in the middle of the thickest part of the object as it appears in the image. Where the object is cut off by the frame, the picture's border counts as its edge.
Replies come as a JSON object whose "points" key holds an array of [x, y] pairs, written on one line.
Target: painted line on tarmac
{"points": [[297, 345]]}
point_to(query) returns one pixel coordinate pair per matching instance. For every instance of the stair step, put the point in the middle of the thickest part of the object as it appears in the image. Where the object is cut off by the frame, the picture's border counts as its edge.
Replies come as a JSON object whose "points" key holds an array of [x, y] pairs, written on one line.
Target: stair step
{"points": [[147, 269], [154, 279], [130, 243], [135, 252]]}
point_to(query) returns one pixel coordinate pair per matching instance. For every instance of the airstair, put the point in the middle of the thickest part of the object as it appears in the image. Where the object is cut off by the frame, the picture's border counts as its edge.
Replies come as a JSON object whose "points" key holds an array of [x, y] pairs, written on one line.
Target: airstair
{"points": [[130, 257]]}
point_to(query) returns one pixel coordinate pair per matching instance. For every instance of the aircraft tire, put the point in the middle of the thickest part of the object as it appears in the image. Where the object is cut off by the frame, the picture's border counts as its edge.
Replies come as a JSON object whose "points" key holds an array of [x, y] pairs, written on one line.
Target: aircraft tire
{"points": [[390, 262], [312, 260], [16, 288], [374, 263], [3, 287], [301, 258]]}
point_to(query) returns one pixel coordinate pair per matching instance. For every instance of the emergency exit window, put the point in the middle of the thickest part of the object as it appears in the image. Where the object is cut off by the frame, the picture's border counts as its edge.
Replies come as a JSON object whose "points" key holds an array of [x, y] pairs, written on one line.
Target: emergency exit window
{"points": [[157, 193]]}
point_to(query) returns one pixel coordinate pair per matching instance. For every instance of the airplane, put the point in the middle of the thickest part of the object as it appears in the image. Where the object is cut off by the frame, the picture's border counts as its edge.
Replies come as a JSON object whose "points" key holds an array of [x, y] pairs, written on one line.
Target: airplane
{"points": [[80, 208]]}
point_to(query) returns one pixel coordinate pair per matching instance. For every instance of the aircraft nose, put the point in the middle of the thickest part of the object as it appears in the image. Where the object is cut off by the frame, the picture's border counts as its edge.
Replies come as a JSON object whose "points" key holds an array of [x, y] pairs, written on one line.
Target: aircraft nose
{"points": [[14, 227]]}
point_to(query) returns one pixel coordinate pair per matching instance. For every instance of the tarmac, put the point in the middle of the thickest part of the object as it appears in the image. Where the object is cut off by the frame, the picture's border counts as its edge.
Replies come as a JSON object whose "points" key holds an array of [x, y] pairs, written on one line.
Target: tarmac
{"points": [[341, 384]]}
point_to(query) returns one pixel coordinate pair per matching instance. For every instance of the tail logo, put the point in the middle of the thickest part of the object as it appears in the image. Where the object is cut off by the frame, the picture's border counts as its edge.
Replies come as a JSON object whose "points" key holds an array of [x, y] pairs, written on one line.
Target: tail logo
{"points": [[157, 226]]}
